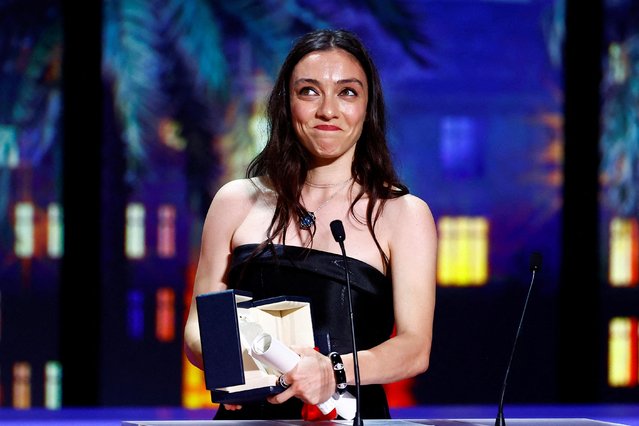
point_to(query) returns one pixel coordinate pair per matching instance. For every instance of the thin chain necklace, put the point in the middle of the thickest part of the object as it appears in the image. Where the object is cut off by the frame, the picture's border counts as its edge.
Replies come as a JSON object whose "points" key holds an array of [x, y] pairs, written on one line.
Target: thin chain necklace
{"points": [[326, 185], [308, 220]]}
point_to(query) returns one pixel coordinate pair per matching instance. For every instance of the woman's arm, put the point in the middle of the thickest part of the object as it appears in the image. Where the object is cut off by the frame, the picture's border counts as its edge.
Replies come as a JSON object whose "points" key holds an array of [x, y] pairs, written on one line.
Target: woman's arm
{"points": [[412, 244], [215, 253]]}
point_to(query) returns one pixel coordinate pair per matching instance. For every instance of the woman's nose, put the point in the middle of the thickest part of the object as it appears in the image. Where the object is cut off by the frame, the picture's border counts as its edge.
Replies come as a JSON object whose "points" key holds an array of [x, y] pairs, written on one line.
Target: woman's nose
{"points": [[328, 108]]}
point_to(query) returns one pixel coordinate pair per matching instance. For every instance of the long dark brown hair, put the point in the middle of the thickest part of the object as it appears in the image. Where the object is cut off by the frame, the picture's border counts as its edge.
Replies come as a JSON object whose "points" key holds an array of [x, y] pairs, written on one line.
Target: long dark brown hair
{"points": [[284, 161]]}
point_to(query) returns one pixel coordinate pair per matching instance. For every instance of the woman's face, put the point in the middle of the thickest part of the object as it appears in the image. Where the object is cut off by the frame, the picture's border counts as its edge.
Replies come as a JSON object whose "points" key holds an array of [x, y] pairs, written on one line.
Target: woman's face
{"points": [[328, 96]]}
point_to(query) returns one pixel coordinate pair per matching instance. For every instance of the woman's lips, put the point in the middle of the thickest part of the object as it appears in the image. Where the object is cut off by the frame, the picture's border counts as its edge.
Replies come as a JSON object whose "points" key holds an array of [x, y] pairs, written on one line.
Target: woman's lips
{"points": [[327, 127]]}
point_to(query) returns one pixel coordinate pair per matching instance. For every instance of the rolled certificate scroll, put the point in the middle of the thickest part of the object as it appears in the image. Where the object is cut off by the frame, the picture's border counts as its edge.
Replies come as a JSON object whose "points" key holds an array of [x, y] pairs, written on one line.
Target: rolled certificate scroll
{"points": [[272, 352]]}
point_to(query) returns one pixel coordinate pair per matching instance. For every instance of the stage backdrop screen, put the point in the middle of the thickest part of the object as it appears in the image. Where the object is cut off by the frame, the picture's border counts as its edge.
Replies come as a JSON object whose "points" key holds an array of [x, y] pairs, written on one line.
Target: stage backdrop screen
{"points": [[474, 97]]}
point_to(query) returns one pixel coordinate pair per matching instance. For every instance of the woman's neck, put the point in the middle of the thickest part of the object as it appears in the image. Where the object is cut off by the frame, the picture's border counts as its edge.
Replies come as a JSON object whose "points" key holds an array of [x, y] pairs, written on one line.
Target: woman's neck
{"points": [[327, 177]]}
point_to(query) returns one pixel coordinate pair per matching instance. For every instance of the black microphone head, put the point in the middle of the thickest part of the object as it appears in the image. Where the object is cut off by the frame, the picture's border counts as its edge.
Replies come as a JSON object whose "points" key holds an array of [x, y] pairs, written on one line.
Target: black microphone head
{"points": [[337, 228], [535, 261]]}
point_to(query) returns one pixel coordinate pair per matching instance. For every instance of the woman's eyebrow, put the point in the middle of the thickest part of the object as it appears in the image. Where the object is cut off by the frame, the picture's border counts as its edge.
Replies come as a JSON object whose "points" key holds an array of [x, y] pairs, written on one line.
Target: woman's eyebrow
{"points": [[306, 80], [350, 81], [340, 82]]}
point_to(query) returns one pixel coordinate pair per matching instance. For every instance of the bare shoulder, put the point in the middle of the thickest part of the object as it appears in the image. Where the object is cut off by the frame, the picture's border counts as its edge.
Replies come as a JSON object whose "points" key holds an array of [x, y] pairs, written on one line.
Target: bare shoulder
{"points": [[236, 189], [231, 205], [242, 192], [410, 232], [409, 215], [407, 206]]}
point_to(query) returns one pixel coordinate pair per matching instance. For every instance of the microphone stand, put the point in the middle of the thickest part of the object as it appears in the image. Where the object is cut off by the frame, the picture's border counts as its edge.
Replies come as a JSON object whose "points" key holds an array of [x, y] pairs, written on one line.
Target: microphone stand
{"points": [[535, 264], [337, 228]]}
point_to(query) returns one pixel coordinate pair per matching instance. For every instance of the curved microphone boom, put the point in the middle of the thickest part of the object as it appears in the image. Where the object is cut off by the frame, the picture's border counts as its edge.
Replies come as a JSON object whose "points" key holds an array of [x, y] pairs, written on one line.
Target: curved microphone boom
{"points": [[337, 229], [535, 265]]}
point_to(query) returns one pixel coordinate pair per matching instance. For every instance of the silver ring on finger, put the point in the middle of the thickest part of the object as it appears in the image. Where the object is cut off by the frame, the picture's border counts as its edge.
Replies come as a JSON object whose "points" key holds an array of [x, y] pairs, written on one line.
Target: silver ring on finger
{"points": [[282, 382]]}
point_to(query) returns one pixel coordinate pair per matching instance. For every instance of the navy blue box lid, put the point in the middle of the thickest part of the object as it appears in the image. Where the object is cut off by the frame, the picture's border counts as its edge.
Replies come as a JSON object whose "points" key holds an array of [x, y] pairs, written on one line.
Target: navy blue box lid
{"points": [[220, 336]]}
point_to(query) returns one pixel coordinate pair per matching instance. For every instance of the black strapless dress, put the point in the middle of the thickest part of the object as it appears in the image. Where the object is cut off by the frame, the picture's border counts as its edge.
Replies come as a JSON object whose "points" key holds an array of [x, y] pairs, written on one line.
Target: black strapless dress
{"points": [[319, 276]]}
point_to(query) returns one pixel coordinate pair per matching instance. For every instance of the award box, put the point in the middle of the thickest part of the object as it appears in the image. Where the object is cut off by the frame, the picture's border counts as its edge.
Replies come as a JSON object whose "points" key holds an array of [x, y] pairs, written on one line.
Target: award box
{"points": [[227, 320]]}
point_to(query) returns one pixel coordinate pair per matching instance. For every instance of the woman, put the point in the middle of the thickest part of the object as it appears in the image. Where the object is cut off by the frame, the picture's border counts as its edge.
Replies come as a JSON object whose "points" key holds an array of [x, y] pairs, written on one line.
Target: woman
{"points": [[326, 158]]}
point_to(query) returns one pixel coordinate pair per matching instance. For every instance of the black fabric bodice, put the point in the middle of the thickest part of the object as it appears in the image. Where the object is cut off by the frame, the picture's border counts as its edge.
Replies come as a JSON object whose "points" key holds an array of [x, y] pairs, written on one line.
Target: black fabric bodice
{"points": [[320, 277]]}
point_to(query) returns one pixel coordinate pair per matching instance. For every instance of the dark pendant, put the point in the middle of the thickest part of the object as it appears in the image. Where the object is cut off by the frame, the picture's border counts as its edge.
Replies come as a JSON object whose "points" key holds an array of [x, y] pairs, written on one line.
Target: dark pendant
{"points": [[307, 220]]}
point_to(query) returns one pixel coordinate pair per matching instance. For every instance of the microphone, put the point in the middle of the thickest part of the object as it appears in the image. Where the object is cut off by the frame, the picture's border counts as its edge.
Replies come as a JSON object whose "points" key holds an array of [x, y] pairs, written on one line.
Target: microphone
{"points": [[337, 229], [535, 265]]}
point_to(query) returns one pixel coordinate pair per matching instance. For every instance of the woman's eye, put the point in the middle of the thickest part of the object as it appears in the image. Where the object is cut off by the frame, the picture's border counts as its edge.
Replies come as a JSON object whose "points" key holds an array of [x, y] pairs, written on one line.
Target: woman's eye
{"points": [[349, 92], [307, 91]]}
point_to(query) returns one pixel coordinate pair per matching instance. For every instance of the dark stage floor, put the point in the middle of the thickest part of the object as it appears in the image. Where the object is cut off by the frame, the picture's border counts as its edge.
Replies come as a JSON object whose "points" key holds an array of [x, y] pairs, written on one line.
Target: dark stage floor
{"points": [[622, 413]]}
